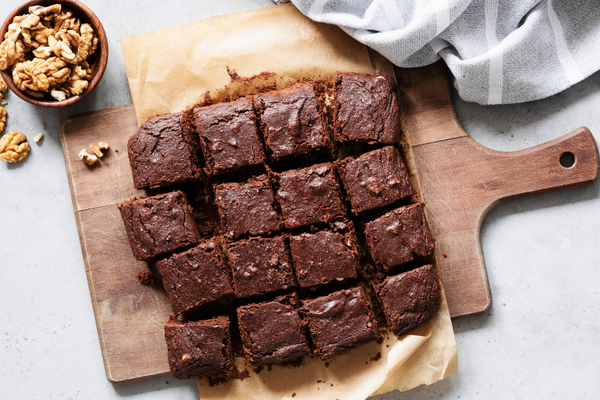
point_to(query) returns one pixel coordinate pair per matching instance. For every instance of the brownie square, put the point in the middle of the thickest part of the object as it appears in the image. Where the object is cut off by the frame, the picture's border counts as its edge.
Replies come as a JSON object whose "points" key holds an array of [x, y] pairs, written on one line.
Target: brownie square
{"points": [[375, 179], [162, 152], [159, 224], [340, 322], [410, 299], [260, 265], [291, 123], [199, 348], [325, 256], [399, 236], [309, 196], [366, 109], [272, 331], [247, 208], [195, 277], [228, 136]]}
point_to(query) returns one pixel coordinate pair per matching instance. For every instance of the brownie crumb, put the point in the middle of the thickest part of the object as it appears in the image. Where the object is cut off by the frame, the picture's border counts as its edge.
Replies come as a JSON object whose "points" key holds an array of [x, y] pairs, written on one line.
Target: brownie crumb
{"points": [[294, 394], [146, 278], [380, 340], [377, 357]]}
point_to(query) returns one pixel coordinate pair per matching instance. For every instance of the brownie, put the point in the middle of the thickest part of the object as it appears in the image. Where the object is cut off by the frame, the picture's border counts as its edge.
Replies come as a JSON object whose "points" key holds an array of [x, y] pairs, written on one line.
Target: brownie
{"points": [[410, 299], [291, 123], [272, 331], [159, 224], [325, 256], [247, 208], [199, 348], [366, 109], [195, 277], [340, 321], [228, 136], [309, 196], [375, 179], [399, 236], [162, 152], [260, 265]]}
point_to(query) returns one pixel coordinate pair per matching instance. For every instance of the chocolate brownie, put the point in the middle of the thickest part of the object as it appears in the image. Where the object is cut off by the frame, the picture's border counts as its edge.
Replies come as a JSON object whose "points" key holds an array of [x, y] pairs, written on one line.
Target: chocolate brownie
{"points": [[325, 256], [375, 179], [159, 224], [340, 322], [260, 265], [272, 331], [309, 196], [291, 123], [228, 136], [247, 208], [195, 277], [399, 236], [410, 299], [366, 109], [162, 152], [199, 348]]}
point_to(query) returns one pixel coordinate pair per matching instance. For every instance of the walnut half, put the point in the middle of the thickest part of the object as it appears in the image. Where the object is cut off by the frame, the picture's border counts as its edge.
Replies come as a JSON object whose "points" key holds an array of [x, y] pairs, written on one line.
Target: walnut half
{"points": [[14, 147]]}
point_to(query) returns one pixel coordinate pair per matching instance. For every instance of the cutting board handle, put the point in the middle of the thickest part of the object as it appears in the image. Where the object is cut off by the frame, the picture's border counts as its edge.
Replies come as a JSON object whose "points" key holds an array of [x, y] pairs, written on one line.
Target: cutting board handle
{"points": [[461, 180]]}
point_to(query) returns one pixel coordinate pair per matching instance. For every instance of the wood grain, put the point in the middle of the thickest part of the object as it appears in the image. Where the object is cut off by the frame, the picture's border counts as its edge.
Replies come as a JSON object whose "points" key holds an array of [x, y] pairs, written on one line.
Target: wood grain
{"points": [[460, 182]]}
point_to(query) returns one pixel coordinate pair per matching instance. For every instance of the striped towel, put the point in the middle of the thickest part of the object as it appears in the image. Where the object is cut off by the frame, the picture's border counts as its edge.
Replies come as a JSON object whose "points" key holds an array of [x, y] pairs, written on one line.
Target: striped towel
{"points": [[499, 51]]}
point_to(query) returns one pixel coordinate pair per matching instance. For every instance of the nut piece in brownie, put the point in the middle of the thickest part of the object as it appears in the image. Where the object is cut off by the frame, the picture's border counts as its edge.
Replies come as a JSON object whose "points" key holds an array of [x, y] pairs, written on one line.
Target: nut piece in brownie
{"points": [[291, 123], [228, 136], [162, 152], [159, 224], [399, 236], [195, 277], [366, 109], [199, 348], [340, 322], [247, 208], [272, 331], [309, 196], [259, 266], [375, 179], [410, 299], [325, 256]]}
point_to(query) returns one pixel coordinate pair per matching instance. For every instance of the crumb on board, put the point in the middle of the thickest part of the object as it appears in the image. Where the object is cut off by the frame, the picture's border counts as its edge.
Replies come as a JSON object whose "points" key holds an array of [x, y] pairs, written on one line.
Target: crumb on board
{"points": [[38, 137], [146, 278]]}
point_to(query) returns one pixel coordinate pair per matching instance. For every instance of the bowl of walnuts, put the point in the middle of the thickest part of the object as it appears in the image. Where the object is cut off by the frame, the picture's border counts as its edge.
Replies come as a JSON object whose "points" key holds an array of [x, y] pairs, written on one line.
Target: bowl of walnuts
{"points": [[53, 53]]}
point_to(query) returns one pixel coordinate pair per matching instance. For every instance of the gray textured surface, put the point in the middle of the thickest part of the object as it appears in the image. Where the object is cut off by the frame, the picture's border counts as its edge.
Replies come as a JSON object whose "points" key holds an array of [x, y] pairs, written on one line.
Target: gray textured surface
{"points": [[539, 341]]}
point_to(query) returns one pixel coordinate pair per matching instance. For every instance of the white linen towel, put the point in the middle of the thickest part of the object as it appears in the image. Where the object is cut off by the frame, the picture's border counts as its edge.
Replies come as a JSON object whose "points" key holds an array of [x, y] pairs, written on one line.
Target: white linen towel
{"points": [[499, 51]]}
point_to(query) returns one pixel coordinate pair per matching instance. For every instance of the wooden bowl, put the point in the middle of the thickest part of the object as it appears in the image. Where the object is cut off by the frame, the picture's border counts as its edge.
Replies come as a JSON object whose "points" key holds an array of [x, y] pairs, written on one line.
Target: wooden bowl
{"points": [[97, 61]]}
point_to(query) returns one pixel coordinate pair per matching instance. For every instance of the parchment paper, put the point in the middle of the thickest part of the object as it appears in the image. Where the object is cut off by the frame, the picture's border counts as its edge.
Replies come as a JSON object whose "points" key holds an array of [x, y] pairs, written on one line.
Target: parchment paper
{"points": [[171, 69]]}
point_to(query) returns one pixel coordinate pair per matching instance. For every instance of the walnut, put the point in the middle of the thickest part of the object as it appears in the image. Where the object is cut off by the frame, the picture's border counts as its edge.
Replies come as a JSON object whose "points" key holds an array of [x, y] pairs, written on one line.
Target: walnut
{"points": [[38, 137], [87, 158], [65, 21], [44, 52], [27, 77], [60, 93], [14, 147], [30, 21], [76, 87], [61, 48], [48, 13], [41, 35], [98, 149], [2, 118], [86, 42], [3, 88]]}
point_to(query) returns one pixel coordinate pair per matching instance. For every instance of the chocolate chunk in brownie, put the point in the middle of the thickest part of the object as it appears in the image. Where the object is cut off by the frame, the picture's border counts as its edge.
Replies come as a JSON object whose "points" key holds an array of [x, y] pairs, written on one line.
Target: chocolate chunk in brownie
{"points": [[272, 331], [228, 136], [340, 322], [325, 256], [410, 299], [366, 109], [162, 152], [291, 123], [309, 196], [247, 208], [259, 266], [195, 277], [159, 224], [399, 236], [375, 179], [199, 348]]}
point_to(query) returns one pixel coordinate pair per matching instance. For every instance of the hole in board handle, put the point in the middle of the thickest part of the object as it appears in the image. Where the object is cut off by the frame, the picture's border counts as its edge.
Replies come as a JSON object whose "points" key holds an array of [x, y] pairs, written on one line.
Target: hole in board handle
{"points": [[567, 159]]}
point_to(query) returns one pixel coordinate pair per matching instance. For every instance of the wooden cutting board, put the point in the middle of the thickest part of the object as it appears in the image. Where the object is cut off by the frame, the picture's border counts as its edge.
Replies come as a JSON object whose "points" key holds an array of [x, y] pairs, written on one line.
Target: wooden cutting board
{"points": [[460, 182]]}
